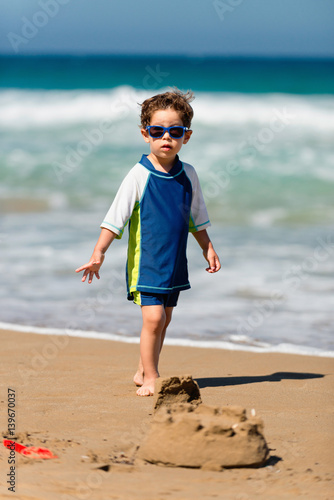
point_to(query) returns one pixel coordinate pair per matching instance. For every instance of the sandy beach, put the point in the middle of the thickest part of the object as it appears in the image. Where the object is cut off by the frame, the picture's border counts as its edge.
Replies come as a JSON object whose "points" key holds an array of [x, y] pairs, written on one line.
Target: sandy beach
{"points": [[76, 397]]}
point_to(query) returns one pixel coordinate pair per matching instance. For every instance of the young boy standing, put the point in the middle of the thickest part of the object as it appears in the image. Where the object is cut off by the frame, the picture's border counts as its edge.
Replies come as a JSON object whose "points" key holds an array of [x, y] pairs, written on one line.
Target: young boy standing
{"points": [[162, 200]]}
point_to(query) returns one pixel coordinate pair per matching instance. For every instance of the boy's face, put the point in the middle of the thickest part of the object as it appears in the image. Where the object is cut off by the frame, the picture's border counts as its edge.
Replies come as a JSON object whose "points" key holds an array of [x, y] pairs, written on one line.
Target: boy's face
{"points": [[166, 148]]}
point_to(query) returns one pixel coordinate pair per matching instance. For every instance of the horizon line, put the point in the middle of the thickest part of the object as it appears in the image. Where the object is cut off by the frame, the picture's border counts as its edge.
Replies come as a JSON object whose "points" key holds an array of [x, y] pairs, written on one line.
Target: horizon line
{"points": [[168, 56]]}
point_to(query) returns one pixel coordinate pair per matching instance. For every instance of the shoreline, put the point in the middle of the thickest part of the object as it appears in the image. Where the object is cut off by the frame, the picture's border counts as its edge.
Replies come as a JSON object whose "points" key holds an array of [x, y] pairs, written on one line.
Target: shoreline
{"points": [[77, 399], [261, 348]]}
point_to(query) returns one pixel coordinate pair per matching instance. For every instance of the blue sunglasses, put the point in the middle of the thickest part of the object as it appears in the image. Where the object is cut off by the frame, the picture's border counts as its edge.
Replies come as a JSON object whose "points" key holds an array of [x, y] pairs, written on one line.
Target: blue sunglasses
{"points": [[156, 131]]}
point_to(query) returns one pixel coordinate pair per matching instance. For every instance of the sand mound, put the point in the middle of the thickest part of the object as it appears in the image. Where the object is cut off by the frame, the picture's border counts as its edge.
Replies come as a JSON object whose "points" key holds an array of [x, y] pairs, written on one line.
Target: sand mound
{"points": [[173, 390], [185, 433]]}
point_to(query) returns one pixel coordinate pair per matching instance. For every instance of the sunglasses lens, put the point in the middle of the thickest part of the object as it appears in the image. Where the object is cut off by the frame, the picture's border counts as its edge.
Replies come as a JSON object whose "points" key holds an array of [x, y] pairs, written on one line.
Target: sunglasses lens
{"points": [[176, 132], [156, 132]]}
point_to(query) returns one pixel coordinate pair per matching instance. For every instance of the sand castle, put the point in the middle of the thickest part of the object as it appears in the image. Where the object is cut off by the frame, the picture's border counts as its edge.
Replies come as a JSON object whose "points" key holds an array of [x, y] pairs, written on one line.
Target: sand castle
{"points": [[187, 433]]}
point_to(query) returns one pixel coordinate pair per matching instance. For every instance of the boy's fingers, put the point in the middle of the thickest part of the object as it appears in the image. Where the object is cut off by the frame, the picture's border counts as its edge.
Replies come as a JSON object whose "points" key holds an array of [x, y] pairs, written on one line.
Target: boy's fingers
{"points": [[82, 268], [214, 265], [87, 268], [218, 266], [88, 265], [84, 276], [91, 276]]}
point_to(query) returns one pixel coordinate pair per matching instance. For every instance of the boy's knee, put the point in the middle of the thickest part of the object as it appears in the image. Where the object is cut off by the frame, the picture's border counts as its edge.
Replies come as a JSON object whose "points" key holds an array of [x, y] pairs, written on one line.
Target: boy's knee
{"points": [[154, 317]]}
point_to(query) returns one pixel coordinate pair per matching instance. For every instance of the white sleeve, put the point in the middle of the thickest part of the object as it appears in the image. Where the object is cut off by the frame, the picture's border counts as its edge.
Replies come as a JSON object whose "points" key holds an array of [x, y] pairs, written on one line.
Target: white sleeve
{"points": [[199, 218], [122, 206]]}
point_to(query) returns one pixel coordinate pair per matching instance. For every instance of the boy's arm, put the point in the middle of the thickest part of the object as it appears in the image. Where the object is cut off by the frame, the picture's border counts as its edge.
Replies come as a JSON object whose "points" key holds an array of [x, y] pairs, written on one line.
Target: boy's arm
{"points": [[209, 253], [93, 266]]}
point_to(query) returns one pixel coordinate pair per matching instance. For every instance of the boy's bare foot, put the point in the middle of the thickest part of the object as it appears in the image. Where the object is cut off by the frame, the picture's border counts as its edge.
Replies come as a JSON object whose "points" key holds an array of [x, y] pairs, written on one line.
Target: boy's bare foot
{"points": [[147, 389], [139, 378]]}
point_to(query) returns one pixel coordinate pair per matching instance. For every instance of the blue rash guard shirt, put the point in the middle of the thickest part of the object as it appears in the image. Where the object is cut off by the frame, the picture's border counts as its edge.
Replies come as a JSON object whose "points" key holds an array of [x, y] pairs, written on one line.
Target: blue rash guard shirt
{"points": [[161, 208]]}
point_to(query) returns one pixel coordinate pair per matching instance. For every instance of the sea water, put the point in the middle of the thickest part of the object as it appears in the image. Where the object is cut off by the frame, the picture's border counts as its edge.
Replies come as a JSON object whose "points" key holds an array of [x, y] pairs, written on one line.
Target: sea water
{"points": [[264, 153]]}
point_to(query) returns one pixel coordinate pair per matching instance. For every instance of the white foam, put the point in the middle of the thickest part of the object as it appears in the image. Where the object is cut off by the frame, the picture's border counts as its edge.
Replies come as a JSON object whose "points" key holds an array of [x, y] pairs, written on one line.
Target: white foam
{"points": [[283, 348], [311, 112], [266, 218], [30, 108], [21, 109]]}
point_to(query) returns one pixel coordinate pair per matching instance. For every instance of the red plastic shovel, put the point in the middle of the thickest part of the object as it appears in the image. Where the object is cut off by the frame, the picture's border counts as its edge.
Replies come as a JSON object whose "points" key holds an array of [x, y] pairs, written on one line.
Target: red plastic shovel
{"points": [[29, 451]]}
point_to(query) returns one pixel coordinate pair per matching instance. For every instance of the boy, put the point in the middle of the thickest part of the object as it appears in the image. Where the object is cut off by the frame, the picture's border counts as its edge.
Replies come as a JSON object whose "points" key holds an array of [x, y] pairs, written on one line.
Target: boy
{"points": [[162, 200]]}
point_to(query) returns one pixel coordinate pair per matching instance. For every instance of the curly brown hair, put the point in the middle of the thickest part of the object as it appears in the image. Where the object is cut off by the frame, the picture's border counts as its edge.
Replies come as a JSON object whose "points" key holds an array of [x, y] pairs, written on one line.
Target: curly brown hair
{"points": [[174, 99]]}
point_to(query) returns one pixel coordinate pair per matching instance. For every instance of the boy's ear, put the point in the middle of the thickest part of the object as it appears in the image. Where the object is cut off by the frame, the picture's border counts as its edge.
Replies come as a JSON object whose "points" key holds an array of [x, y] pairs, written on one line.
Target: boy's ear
{"points": [[187, 136], [145, 134]]}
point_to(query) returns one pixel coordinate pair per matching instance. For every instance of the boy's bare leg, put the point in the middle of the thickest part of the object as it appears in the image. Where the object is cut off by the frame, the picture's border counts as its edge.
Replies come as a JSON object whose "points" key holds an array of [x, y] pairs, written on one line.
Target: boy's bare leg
{"points": [[139, 376], [154, 319], [169, 312]]}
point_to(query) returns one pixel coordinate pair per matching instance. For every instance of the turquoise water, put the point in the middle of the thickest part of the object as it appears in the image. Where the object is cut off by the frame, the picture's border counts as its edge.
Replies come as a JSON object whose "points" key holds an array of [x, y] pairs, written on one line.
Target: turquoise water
{"points": [[294, 76], [263, 148]]}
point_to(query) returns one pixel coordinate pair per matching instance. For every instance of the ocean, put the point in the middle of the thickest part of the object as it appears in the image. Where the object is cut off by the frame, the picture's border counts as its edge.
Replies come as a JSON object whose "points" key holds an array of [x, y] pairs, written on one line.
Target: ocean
{"points": [[263, 147]]}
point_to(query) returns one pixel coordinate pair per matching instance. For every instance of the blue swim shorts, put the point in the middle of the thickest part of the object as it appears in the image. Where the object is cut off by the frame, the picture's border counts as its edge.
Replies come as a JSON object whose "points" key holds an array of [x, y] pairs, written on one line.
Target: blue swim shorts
{"points": [[155, 299]]}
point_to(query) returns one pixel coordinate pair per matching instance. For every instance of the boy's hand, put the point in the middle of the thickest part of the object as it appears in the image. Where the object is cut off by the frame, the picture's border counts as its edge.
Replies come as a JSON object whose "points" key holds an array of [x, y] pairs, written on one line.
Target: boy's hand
{"points": [[208, 251], [213, 260], [92, 267]]}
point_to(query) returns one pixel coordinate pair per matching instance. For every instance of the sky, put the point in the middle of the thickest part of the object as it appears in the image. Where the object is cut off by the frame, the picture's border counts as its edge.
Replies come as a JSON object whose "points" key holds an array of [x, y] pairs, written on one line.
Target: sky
{"points": [[269, 28]]}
